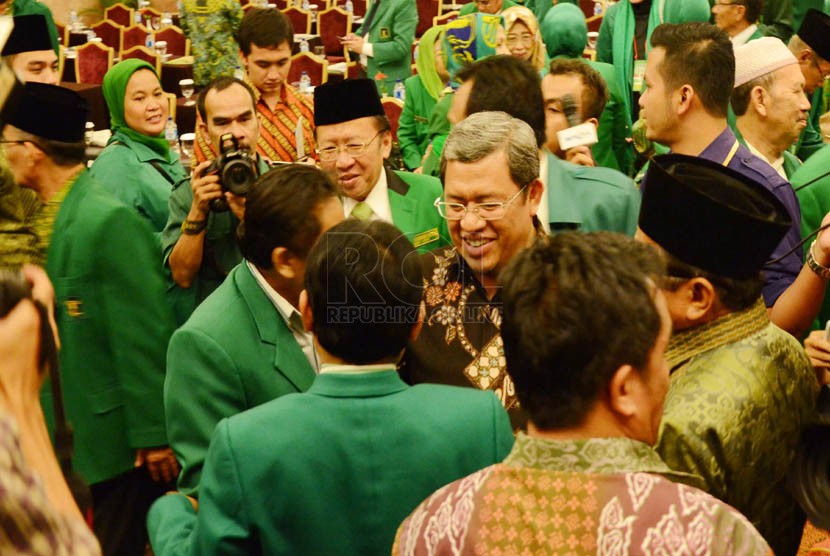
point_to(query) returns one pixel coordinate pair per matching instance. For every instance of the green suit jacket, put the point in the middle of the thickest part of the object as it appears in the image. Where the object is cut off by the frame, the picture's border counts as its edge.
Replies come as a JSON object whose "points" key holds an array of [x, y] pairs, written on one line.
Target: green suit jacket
{"points": [[613, 149], [810, 139], [412, 198], [332, 471], [391, 36], [234, 353], [590, 198], [114, 327], [413, 125]]}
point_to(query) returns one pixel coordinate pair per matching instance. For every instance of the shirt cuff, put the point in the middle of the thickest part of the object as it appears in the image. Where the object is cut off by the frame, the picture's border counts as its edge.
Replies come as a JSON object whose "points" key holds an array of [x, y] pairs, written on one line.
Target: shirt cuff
{"points": [[368, 49]]}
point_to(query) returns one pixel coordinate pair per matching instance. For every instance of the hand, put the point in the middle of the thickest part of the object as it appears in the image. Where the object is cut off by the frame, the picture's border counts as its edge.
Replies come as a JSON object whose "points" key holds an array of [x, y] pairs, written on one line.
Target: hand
{"points": [[822, 247], [237, 205], [418, 170], [818, 350], [160, 462], [205, 188], [581, 156], [353, 43]]}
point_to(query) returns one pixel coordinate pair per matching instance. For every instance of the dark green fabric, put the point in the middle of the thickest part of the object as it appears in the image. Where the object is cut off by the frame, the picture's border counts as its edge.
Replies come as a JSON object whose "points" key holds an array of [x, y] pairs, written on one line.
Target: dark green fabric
{"points": [[471, 8], [811, 140], [114, 89], [391, 36]]}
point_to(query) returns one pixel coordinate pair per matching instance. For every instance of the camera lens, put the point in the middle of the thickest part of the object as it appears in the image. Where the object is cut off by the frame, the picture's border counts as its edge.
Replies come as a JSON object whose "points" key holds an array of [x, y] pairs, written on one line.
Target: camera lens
{"points": [[238, 176]]}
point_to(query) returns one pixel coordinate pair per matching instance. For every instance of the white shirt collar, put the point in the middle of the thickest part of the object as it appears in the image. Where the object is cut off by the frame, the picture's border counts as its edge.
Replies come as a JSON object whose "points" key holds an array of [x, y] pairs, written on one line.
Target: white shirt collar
{"points": [[742, 37], [377, 199], [777, 164], [355, 369]]}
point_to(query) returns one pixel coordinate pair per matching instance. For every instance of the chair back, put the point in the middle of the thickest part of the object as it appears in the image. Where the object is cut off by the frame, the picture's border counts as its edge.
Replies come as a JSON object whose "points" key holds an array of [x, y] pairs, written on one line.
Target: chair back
{"points": [[63, 38], [393, 108], [171, 100], [358, 8], [147, 15], [331, 24], [317, 68], [135, 35], [300, 20], [92, 61], [177, 43], [119, 13], [143, 53], [110, 33], [427, 10], [443, 19]]}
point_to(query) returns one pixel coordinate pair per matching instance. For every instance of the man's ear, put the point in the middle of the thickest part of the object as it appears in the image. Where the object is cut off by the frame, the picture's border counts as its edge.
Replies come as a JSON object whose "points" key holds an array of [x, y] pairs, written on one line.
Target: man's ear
{"points": [[305, 312], [623, 392], [593, 121], [758, 99], [700, 299], [284, 263], [685, 96]]}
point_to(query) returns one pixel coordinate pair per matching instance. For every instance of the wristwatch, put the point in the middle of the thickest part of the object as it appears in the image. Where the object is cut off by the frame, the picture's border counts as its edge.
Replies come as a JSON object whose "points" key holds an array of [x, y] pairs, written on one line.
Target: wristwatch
{"points": [[193, 227], [815, 266]]}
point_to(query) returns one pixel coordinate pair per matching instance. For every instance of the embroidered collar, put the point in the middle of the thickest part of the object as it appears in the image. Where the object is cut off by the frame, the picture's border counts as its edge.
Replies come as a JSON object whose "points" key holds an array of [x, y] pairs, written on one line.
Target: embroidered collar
{"points": [[725, 330], [595, 455]]}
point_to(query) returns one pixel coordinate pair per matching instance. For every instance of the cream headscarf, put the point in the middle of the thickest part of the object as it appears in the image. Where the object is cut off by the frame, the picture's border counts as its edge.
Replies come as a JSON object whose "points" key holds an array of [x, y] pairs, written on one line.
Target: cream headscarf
{"points": [[520, 13]]}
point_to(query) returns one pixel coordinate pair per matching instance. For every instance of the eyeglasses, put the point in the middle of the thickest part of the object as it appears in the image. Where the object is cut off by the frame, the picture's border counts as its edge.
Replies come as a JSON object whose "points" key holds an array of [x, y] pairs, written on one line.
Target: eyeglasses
{"points": [[353, 149], [825, 74], [4, 141], [485, 211], [524, 38]]}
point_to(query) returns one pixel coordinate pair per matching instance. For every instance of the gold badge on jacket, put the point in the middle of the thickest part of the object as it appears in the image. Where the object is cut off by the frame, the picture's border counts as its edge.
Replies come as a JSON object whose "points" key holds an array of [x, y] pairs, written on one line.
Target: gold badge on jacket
{"points": [[425, 237], [384, 33], [73, 307]]}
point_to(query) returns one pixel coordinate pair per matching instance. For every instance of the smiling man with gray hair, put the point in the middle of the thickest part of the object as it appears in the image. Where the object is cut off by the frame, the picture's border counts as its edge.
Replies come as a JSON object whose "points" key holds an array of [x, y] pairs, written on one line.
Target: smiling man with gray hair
{"points": [[490, 169]]}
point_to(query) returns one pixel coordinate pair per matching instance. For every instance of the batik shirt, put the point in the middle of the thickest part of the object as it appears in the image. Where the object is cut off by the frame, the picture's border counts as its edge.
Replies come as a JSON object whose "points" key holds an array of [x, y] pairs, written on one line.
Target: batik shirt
{"points": [[31, 526], [211, 25], [460, 343], [596, 496], [741, 391], [277, 128]]}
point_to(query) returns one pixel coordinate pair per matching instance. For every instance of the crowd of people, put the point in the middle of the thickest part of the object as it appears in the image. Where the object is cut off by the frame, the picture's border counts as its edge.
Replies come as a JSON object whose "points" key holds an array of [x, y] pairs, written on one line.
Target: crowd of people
{"points": [[584, 312]]}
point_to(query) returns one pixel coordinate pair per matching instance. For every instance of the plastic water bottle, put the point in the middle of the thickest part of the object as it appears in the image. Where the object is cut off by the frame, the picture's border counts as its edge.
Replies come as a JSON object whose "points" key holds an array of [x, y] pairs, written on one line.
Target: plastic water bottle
{"points": [[137, 17], [349, 6], [149, 42], [306, 5], [399, 92], [74, 22], [597, 8], [171, 133], [238, 73], [305, 82], [304, 45]]}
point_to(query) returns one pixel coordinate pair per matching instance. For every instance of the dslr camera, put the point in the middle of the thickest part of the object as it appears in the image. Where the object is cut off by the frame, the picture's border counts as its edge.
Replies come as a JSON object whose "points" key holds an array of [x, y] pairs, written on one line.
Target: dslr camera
{"points": [[237, 169]]}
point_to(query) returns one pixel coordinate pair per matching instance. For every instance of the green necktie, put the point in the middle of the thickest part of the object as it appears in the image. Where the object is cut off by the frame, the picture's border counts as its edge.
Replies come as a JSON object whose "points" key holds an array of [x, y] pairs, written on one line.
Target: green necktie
{"points": [[362, 211]]}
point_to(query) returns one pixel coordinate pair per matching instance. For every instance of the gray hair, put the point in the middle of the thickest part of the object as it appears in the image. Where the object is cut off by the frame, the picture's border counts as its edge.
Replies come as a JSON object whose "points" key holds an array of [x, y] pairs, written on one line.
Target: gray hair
{"points": [[483, 133]]}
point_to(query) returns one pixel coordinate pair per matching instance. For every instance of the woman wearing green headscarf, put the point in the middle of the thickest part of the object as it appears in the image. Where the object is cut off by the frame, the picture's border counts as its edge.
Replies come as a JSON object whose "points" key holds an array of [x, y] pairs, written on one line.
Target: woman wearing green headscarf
{"points": [[625, 33], [422, 92], [137, 165]]}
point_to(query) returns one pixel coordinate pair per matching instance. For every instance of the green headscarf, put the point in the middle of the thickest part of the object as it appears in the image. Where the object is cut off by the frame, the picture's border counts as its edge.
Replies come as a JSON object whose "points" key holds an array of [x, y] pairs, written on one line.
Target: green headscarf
{"points": [[564, 31], [426, 62], [115, 89]]}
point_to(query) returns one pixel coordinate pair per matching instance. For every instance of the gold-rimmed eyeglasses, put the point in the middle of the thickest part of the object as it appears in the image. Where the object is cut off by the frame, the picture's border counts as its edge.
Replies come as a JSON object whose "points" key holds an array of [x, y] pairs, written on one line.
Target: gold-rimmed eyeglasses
{"points": [[352, 149], [485, 211]]}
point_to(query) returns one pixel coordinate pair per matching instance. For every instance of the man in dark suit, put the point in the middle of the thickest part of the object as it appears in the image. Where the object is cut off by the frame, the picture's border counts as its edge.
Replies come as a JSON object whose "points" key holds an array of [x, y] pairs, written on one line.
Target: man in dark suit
{"points": [[334, 470], [246, 344], [113, 321]]}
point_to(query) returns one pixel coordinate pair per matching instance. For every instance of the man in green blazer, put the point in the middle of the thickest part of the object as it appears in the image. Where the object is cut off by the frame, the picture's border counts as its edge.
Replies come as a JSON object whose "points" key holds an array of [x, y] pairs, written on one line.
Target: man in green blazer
{"points": [[486, 6], [384, 41], [245, 344], [353, 140], [335, 470], [111, 314]]}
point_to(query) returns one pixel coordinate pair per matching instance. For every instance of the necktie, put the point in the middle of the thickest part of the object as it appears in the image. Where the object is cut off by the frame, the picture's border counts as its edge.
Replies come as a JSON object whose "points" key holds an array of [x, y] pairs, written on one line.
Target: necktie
{"points": [[370, 17], [362, 211]]}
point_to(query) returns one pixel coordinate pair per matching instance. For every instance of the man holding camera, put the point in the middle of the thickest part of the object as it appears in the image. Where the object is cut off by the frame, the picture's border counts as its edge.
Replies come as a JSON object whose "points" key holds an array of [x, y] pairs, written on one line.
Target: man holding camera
{"points": [[198, 243]]}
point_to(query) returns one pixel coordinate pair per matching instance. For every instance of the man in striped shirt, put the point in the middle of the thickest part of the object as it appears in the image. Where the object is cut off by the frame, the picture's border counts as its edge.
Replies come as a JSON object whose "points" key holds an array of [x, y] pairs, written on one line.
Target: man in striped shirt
{"points": [[265, 38]]}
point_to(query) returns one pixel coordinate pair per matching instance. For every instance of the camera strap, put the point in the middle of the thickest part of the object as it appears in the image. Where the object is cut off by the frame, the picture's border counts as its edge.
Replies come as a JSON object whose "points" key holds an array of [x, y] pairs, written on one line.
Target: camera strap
{"points": [[63, 441]]}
